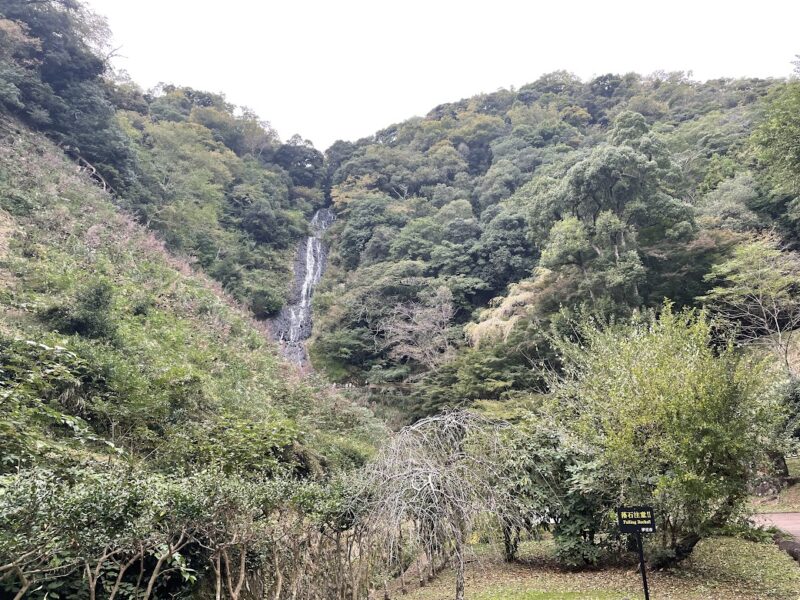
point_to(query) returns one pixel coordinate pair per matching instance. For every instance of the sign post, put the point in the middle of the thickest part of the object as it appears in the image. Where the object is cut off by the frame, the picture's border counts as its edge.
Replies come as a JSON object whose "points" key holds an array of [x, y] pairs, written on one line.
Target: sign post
{"points": [[638, 520]]}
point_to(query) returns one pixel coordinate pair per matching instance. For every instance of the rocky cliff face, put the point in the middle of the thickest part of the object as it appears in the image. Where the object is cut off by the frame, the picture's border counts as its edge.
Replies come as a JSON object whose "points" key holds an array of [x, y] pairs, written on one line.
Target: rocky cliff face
{"points": [[293, 325]]}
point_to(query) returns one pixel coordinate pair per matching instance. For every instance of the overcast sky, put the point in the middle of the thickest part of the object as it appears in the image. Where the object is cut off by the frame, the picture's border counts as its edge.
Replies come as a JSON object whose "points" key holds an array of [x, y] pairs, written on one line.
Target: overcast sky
{"points": [[341, 69]]}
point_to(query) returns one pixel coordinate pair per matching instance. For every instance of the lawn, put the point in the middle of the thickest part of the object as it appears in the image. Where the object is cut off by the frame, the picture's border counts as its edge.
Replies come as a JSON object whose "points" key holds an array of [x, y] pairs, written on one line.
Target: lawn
{"points": [[721, 568], [787, 500]]}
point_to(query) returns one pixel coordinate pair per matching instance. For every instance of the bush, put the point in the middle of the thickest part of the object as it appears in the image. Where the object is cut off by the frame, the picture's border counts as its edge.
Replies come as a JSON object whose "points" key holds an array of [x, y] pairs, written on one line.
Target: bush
{"points": [[657, 412], [90, 316], [266, 303]]}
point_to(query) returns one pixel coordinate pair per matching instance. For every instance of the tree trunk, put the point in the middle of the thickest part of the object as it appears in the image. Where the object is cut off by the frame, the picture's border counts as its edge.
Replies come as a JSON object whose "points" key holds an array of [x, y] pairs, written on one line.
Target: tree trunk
{"points": [[779, 462], [21, 593], [510, 542], [122, 570], [156, 571], [92, 583], [160, 563], [400, 560], [278, 576], [459, 577], [459, 556], [26, 583], [683, 548], [141, 572], [215, 563]]}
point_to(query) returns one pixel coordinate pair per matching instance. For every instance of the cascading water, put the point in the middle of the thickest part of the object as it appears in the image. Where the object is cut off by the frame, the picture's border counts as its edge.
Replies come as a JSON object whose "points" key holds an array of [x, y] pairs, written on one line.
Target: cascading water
{"points": [[293, 325]]}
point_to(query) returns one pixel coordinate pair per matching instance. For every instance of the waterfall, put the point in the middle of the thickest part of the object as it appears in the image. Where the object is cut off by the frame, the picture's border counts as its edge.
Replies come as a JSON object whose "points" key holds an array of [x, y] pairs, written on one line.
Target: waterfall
{"points": [[293, 325]]}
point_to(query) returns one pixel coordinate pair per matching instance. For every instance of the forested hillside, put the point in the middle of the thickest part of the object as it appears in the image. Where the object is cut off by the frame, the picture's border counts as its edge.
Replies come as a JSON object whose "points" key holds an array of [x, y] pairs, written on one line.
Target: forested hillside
{"points": [[474, 226], [562, 298], [148, 428], [212, 178]]}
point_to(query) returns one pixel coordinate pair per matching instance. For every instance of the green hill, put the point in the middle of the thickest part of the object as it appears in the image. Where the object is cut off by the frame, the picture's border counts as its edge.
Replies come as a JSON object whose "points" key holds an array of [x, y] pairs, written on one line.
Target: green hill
{"points": [[610, 194], [578, 263], [105, 330]]}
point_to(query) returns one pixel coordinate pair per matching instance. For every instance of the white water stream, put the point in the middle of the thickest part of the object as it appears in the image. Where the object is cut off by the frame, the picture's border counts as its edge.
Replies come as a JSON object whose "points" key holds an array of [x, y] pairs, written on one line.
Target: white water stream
{"points": [[293, 325]]}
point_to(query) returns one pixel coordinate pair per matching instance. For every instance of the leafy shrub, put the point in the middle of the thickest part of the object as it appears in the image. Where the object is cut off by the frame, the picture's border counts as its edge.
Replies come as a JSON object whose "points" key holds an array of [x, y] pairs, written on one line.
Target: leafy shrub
{"points": [[91, 315], [266, 302]]}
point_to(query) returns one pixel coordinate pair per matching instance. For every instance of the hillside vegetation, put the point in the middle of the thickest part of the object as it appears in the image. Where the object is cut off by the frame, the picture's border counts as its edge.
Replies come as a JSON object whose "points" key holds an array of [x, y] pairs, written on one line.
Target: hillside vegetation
{"points": [[140, 350], [213, 179], [566, 298], [119, 362], [474, 226]]}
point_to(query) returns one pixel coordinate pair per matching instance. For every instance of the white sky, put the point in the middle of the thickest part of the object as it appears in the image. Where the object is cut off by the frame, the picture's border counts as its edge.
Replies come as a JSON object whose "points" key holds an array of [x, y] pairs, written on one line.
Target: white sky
{"points": [[342, 69]]}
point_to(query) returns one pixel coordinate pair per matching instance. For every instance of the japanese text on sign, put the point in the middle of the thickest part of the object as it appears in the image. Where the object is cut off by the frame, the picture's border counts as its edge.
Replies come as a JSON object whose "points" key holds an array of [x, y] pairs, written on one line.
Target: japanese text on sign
{"points": [[636, 519]]}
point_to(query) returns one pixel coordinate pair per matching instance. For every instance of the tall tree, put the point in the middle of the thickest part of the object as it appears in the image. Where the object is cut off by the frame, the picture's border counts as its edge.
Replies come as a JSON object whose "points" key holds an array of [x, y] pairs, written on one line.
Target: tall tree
{"points": [[758, 290], [667, 419], [777, 139], [422, 331]]}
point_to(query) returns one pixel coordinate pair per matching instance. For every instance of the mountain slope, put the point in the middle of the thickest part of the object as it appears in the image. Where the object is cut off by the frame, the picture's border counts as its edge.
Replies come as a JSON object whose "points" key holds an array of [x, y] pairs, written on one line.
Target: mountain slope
{"points": [[213, 179], [625, 189], [109, 341]]}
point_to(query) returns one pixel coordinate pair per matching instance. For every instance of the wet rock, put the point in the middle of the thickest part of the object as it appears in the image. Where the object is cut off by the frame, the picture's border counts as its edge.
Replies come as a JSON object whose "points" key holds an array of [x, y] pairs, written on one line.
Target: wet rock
{"points": [[293, 325]]}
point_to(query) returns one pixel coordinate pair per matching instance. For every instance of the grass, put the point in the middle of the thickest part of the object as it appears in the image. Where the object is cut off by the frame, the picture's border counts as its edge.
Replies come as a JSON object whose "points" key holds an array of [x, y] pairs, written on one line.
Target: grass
{"points": [[787, 500], [720, 568], [758, 567], [512, 595]]}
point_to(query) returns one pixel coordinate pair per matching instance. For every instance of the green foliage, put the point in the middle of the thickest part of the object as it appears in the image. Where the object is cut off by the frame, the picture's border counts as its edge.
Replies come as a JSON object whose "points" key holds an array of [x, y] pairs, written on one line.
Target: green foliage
{"points": [[113, 530], [593, 180], [146, 422], [777, 138], [233, 444], [51, 75], [563, 198], [731, 205], [48, 396], [214, 181], [90, 316], [145, 355], [667, 419], [205, 183], [758, 270]]}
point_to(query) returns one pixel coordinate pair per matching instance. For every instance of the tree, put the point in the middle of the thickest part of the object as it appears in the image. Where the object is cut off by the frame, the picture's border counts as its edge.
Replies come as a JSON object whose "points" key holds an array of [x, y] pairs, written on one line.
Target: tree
{"points": [[235, 522], [558, 485], [439, 476], [777, 138], [600, 219], [665, 418], [758, 289], [503, 253], [730, 205], [302, 161], [568, 244], [52, 77], [421, 331]]}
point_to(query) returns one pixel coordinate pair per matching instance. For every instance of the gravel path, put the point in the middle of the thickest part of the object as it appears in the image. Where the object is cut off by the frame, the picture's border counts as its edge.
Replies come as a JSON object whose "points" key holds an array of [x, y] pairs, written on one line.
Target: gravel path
{"points": [[788, 522]]}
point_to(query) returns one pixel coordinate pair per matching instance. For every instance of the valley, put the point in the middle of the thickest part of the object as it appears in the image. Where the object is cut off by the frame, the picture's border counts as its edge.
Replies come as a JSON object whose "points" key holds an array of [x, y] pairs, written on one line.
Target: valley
{"points": [[238, 366]]}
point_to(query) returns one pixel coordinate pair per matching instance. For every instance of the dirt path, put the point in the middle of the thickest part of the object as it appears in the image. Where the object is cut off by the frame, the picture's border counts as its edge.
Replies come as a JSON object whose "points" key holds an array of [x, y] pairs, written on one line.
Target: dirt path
{"points": [[788, 522]]}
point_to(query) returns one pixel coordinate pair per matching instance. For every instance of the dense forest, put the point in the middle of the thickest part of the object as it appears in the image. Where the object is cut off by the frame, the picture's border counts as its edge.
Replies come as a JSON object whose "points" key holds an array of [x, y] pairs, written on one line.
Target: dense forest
{"points": [[539, 304], [213, 179], [464, 235]]}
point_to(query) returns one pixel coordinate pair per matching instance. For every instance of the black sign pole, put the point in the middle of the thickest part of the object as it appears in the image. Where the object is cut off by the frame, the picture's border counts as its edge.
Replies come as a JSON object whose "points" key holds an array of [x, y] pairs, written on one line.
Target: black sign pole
{"points": [[638, 520], [641, 566]]}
